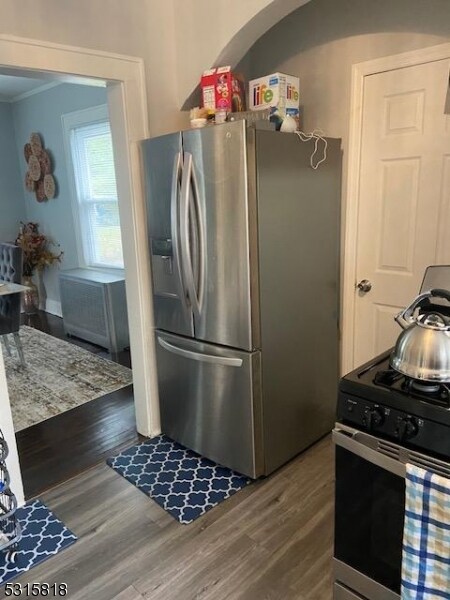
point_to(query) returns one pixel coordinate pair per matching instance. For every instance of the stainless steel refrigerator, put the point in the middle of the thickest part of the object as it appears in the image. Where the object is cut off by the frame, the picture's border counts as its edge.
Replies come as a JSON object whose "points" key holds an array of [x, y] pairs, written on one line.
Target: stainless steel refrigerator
{"points": [[244, 243]]}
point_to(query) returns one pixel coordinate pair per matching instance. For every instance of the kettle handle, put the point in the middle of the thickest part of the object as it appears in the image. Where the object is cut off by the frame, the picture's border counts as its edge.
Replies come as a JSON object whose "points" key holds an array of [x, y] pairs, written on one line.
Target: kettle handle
{"points": [[405, 317], [439, 293]]}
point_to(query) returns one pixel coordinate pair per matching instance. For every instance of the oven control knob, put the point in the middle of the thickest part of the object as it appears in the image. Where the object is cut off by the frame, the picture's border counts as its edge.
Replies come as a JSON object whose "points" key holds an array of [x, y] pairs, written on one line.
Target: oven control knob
{"points": [[373, 417], [407, 428]]}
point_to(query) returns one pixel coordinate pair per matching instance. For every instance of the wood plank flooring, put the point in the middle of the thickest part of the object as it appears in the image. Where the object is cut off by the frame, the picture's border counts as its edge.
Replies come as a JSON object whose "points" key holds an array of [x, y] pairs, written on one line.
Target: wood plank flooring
{"points": [[65, 445], [270, 541]]}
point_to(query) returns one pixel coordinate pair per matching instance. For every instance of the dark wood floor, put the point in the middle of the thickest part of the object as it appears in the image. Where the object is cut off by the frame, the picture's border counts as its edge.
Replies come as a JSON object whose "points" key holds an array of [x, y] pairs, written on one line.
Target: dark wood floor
{"points": [[64, 446], [270, 541]]}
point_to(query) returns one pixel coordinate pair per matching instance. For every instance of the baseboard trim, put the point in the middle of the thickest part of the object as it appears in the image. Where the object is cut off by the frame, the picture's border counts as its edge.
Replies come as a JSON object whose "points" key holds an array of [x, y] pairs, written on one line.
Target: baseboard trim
{"points": [[53, 307]]}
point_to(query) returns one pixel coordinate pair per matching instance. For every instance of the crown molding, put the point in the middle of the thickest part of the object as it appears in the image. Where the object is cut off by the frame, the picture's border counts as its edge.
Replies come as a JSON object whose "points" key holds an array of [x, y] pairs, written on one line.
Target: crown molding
{"points": [[37, 90]]}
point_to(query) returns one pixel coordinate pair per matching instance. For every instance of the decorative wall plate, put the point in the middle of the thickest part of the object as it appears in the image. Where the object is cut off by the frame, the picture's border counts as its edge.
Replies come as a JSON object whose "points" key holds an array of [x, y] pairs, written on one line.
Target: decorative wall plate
{"points": [[27, 152], [45, 162], [36, 144], [40, 191], [49, 186], [34, 167], [30, 184]]}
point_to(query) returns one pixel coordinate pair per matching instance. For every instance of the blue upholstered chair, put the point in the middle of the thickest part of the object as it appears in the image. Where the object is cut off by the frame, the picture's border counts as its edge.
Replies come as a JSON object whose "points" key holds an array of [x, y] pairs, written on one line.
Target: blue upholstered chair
{"points": [[11, 272]]}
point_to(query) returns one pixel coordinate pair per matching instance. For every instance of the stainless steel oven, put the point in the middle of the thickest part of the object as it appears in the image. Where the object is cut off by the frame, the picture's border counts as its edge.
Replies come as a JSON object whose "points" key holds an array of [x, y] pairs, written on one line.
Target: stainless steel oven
{"points": [[370, 505]]}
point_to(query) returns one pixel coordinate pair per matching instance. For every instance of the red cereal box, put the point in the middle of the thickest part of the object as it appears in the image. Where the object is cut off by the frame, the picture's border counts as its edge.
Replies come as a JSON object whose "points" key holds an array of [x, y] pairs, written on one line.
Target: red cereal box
{"points": [[222, 90]]}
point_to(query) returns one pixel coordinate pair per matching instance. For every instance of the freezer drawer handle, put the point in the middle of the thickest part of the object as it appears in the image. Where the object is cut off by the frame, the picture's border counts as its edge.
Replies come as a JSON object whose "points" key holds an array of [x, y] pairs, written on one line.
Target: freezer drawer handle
{"points": [[217, 360]]}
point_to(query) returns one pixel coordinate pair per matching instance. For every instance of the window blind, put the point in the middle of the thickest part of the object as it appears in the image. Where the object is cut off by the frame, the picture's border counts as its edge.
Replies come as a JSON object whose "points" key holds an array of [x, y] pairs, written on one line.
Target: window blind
{"points": [[93, 161]]}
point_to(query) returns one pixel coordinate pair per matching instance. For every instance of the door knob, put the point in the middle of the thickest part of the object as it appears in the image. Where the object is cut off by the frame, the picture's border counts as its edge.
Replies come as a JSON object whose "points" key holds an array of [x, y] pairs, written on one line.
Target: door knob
{"points": [[364, 286]]}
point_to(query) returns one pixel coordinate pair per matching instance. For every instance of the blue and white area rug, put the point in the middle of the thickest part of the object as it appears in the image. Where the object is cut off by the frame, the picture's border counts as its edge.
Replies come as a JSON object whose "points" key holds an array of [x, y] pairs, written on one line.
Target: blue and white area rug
{"points": [[43, 536], [185, 484]]}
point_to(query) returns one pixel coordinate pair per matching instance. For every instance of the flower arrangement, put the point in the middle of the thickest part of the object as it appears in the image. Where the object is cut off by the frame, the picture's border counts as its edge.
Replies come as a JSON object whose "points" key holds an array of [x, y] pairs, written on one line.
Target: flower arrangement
{"points": [[36, 249]]}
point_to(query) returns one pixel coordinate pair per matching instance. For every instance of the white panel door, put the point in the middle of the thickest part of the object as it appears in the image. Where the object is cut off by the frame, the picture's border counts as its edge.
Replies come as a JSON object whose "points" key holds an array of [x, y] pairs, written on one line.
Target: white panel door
{"points": [[404, 203]]}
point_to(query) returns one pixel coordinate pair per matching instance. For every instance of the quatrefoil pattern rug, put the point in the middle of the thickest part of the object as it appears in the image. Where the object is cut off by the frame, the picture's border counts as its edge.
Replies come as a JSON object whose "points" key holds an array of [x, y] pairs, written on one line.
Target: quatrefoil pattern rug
{"points": [[185, 484], [43, 536]]}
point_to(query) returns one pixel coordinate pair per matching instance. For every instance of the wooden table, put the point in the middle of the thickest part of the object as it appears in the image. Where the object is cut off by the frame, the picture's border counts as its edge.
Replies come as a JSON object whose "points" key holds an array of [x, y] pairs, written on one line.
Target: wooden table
{"points": [[11, 288]]}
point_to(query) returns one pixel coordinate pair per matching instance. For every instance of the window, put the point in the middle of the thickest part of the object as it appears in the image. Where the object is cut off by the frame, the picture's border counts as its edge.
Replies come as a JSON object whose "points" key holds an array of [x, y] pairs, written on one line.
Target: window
{"points": [[96, 206]]}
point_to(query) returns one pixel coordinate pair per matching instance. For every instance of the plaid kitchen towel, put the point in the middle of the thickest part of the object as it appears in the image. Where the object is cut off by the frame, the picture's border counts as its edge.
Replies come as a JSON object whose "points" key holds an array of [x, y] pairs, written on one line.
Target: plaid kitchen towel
{"points": [[426, 536]]}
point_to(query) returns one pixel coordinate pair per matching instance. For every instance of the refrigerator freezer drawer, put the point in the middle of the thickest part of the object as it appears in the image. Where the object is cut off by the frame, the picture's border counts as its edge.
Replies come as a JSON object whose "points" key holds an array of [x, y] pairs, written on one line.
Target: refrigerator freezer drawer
{"points": [[210, 400]]}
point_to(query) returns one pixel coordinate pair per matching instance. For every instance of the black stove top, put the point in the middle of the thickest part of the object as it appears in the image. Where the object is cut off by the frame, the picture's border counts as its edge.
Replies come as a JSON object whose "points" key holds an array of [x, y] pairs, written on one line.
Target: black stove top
{"points": [[434, 393], [381, 374], [379, 399]]}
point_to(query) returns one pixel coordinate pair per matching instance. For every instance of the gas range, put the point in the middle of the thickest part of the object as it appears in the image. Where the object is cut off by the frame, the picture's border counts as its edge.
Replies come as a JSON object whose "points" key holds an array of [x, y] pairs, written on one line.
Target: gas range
{"points": [[385, 421], [386, 404]]}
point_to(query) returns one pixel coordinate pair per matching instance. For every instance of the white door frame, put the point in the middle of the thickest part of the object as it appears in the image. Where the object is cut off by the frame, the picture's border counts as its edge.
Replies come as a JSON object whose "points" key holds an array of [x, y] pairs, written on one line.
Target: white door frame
{"points": [[359, 72], [127, 102]]}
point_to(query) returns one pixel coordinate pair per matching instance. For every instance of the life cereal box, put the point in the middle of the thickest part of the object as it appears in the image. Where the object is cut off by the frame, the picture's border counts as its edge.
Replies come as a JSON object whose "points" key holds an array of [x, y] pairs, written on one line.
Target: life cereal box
{"points": [[277, 91]]}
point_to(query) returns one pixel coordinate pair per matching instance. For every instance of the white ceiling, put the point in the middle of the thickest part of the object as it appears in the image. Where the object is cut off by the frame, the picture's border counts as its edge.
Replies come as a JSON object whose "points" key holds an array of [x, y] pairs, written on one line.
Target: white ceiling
{"points": [[11, 86]]}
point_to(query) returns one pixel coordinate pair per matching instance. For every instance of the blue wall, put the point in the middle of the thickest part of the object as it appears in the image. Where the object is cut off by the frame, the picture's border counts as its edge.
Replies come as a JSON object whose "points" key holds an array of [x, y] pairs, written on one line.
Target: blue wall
{"points": [[12, 202], [42, 113]]}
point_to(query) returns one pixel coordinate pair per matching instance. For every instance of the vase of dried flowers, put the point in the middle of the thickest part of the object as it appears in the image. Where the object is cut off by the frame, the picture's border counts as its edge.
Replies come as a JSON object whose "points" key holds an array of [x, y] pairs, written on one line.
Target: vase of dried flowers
{"points": [[30, 297], [37, 255]]}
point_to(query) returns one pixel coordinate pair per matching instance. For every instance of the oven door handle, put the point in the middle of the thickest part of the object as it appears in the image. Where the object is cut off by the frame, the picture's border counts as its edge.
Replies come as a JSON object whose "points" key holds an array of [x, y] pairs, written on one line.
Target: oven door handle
{"points": [[348, 439]]}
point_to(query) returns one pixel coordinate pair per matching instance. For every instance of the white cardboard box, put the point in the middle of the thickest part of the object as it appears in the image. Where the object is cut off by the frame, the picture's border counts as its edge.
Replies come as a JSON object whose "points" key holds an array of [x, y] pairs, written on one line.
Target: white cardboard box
{"points": [[277, 91]]}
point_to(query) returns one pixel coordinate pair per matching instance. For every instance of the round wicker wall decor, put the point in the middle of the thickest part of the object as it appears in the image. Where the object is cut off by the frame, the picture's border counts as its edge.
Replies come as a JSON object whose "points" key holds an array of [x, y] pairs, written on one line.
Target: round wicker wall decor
{"points": [[39, 178]]}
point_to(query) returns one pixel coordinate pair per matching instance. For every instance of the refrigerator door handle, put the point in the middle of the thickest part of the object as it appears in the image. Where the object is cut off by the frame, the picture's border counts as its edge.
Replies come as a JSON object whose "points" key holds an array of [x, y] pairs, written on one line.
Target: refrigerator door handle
{"points": [[175, 226], [209, 358], [188, 270], [200, 224]]}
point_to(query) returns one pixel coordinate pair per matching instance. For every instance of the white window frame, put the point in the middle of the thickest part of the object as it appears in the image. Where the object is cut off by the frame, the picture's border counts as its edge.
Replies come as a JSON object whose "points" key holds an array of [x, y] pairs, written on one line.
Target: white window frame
{"points": [[71, 121]]}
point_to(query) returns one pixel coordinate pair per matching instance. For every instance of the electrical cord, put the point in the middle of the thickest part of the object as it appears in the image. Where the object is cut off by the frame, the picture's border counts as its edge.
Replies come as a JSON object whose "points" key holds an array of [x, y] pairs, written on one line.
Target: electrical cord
{"points": [[316, 135]]}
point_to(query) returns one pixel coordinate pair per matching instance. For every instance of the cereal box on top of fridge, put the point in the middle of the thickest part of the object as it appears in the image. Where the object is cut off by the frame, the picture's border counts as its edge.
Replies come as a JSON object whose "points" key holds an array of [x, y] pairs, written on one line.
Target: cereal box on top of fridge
{"points": [[277, 91], [222, 90]]}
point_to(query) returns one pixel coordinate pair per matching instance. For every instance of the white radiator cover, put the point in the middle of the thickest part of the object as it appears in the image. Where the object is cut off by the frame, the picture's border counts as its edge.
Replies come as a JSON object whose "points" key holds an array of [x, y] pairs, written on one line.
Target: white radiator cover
{"points": [[94, 307]]}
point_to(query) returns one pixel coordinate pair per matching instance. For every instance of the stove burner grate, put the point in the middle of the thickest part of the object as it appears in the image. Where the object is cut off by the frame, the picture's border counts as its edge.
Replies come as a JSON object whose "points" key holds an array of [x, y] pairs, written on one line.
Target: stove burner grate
{"points": [[431, 392], [387, 377]]}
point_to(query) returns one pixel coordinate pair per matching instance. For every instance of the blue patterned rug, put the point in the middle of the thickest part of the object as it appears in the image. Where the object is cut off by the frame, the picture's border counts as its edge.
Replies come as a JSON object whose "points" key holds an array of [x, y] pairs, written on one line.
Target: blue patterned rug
{"points": [[43, 535], [185, 484]]}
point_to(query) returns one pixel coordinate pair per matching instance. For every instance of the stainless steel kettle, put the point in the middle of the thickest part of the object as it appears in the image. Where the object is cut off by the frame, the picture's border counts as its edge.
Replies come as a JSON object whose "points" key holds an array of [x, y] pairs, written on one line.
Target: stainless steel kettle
{"points": [[422, 350]]}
